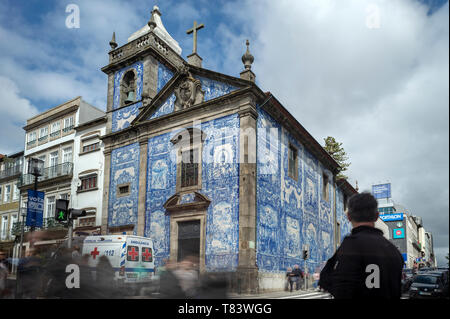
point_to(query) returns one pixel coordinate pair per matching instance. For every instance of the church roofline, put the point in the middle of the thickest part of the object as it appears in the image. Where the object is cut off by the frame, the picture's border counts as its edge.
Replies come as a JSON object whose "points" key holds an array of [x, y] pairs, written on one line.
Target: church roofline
{"points": [[297, 130], [348, 189]]}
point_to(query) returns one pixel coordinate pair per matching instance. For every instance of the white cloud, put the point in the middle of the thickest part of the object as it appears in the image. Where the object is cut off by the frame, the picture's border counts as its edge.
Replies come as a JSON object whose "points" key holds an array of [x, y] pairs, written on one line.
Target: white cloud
{"points": [[15, 110]]}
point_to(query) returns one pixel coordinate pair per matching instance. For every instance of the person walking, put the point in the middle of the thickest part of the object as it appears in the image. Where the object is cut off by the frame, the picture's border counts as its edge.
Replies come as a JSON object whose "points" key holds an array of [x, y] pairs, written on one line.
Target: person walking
{"points": [[298, 276], [3, 275], [366, 265]]}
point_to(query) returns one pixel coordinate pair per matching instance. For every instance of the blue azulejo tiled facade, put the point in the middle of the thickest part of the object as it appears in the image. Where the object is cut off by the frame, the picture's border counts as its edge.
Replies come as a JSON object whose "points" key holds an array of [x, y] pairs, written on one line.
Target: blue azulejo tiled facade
{"points": [[123, 208], [220, 183], [291, 213]]}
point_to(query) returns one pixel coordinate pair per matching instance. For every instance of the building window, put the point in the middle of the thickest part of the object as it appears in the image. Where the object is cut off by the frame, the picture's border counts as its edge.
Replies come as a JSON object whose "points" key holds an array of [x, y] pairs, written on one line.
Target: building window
{"points": [[88, 183], [55, 129], [50, 206], [123, 190], [67, 155], [43, 133], [325, 193], [7, 193], [31, 138], [68, 124], [4, 228], [292, 163], [16, 192], [91, 147], [11, 224], [189, 167]]}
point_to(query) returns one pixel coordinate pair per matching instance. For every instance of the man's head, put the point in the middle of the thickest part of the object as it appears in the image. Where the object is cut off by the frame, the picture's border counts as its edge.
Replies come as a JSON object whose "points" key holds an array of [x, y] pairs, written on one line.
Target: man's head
{"points": [[295, 266], [362, 208]]}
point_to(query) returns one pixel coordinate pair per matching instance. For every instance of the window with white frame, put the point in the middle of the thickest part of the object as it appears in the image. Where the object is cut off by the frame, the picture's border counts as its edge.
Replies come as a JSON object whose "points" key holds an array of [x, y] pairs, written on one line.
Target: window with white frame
{"points": [[31, 137], [43, 133], [50, 206], [55, 129], [7, 193], [68, 124], [67, 155], [16, 192], [4, 229]]}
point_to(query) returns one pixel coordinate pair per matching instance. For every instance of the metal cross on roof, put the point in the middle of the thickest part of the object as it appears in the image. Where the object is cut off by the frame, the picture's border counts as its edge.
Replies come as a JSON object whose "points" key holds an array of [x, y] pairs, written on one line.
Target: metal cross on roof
{"points": [[194, 30]]}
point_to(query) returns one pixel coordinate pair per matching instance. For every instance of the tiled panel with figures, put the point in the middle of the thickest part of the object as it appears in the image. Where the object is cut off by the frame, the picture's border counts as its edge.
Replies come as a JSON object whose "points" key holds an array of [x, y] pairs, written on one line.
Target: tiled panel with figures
{"points": [[291, 212], [164, 76], [122, 209], [220, 183], [123, 117]]}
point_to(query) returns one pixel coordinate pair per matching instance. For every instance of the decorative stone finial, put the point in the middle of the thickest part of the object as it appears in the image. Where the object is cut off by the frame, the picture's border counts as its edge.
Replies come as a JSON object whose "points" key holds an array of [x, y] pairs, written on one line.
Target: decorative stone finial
{"points": [[151, 23], [357, 188], [247, 58], [113, 42]]}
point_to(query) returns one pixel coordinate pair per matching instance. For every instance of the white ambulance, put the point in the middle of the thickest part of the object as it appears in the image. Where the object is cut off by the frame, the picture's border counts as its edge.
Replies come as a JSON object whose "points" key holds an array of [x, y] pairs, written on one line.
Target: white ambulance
{"points": [[130, 256]]}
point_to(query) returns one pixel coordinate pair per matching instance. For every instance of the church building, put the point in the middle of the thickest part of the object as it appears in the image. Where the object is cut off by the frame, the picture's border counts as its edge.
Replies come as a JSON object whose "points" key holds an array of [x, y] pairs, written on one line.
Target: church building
{"points": [[209, 165]]}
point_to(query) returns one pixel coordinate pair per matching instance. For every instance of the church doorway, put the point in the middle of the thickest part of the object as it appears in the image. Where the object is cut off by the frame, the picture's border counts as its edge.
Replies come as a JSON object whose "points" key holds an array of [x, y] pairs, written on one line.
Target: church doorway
{"points": [[189, 239]]}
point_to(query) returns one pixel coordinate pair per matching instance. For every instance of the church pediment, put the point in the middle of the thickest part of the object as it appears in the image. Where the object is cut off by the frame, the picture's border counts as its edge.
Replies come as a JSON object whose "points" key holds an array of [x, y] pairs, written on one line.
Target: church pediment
{"points": [[187, 201], [186, 89]]}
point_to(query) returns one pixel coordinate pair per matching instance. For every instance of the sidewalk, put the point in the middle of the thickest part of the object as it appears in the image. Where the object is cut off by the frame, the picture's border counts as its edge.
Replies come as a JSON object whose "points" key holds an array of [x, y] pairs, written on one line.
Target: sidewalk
{"points": [[271, 295]]}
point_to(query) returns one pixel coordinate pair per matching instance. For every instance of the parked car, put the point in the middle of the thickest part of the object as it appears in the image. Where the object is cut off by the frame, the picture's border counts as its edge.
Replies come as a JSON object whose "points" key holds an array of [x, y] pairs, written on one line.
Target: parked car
{"points": [[427, 286]]}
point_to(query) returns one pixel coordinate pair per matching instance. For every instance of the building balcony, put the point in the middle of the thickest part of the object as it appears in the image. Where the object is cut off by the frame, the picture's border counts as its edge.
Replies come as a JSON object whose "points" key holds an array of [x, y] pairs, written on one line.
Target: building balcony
{"points": [[68, 129], [10, 172], [55, 134], [47, 224], [49, 173]]}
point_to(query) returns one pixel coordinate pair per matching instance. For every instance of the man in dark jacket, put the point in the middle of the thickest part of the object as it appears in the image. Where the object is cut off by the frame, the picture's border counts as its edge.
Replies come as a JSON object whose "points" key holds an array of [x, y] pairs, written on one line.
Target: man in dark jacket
{"points": [[366, 265]]}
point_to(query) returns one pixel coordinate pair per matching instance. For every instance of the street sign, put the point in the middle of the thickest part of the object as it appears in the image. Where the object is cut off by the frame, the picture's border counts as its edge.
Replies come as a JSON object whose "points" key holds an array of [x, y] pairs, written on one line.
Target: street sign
{"points": [[35, 208], [399, 233], [391, 217]]}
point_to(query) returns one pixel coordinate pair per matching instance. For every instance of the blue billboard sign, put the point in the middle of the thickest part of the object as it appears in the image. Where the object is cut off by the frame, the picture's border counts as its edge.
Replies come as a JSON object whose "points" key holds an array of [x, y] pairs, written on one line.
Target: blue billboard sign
{"points": [[381, 191], [399, 233], [35, 208], [391, 217]]}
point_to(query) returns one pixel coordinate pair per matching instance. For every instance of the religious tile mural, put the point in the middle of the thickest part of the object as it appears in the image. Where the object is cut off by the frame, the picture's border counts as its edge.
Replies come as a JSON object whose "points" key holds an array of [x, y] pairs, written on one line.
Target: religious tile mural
{"points": [[291, 213], [138, 67], [166, 108], [124, 171], [164, 76], [345, 225], [220, 183], [161, 184], [123, 117], [214, 89]]}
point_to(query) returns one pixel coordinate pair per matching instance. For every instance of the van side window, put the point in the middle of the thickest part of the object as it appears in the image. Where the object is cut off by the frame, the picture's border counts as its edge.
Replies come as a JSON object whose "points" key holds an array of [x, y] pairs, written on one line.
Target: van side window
{"points": [[133, 253], [147, 255]]}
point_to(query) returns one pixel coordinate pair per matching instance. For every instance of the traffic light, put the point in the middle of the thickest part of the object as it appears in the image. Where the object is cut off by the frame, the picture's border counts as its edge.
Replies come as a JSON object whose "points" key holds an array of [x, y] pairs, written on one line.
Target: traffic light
{"points": [[305, 254], [62, 210], [75, 213]]}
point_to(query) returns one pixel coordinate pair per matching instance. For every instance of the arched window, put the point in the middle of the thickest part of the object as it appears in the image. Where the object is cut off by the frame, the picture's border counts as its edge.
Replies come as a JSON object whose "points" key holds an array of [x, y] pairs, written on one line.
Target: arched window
{"points": [[128, 88]]}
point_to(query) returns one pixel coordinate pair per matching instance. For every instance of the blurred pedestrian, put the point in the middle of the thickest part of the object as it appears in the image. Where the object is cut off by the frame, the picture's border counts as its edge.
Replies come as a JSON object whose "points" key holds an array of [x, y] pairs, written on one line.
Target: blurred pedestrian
{"points": [[30, 275], [3, 275], [287, 284], [105, 278], [188, 276], [297, 274], [316, 277], [170, 287], [366, 265]]}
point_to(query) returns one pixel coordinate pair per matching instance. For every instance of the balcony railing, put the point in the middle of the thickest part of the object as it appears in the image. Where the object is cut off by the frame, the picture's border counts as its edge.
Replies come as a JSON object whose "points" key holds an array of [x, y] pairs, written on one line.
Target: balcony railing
{"points": [[64, 169], [48, 223], [16, 170], [67, 129], [54, 134]]}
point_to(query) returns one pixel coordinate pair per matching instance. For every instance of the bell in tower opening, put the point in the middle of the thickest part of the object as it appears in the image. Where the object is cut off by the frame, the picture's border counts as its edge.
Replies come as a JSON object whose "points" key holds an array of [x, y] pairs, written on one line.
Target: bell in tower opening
{"points": [[128, 90]]}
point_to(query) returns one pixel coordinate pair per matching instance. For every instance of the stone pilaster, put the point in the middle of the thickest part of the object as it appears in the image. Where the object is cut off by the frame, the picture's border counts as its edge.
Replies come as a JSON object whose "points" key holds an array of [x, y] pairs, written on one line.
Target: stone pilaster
{"points": [[143, 158], [247, 272], [106, 180], [109, 102], [150, 76]]}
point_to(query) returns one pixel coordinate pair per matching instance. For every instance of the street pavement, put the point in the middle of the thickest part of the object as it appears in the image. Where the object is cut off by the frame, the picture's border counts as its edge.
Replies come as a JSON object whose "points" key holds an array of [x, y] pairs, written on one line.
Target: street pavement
{"points": [[296, 294]]}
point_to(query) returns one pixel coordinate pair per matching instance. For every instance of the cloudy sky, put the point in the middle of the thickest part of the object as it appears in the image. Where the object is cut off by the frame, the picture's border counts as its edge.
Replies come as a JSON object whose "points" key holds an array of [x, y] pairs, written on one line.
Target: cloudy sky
{"points": [[373, 74]]}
